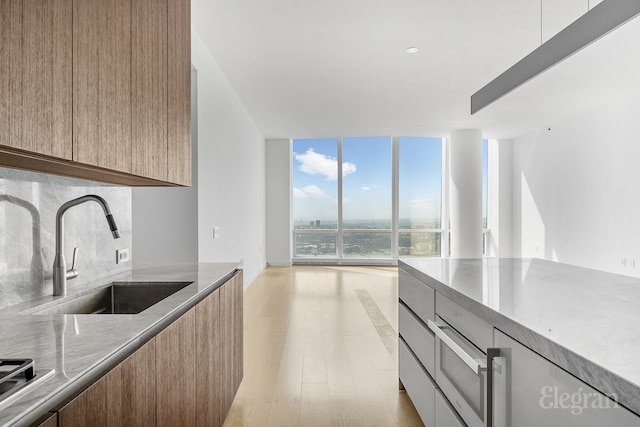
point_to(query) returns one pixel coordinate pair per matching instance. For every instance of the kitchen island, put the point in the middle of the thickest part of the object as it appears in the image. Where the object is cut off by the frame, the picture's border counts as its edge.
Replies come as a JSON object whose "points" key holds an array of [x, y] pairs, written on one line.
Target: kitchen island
{"points": [[582, 320], [81, 348]]}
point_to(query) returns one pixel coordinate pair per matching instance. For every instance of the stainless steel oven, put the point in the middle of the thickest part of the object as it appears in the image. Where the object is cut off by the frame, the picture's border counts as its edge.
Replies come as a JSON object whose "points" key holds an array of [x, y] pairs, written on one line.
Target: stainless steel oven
{"points": [[464, 374]]}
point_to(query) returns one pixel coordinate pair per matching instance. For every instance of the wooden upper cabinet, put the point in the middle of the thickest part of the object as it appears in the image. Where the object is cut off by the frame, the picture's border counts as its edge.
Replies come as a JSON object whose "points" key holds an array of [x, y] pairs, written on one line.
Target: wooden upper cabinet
{"points": [[36, 76], [161, 90], [102, 83], [150, 88], [179, 72]]}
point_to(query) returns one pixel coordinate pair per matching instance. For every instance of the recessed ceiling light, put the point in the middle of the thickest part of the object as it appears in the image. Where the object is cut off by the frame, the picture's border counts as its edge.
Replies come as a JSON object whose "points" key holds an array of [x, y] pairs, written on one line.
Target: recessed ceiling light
{"points": [[412, 49]]}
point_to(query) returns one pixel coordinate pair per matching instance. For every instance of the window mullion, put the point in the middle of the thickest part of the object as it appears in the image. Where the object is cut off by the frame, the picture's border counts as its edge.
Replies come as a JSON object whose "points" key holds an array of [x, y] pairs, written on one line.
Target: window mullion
{"points": [[339, 239], [395, 188], [444, 201]]}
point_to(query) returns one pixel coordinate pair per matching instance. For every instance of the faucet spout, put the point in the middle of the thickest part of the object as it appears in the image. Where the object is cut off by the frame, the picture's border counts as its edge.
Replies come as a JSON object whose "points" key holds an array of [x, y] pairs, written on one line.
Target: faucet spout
{"points": [[60, 272]]}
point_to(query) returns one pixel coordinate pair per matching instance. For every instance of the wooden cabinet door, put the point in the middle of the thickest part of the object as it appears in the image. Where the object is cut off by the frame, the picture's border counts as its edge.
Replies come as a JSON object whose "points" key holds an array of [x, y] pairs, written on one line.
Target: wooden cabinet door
{"points": [[102, 83], [179, 81], [238, 332], [48, 420], [89, 409], [149, 88], [231, 344], [36, 76], [176, 373], [161, 90], [208, 356], [131, 400]]}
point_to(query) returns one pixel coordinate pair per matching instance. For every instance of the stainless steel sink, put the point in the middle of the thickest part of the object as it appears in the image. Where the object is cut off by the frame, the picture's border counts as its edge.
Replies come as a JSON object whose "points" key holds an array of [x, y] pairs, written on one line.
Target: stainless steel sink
{"points": [[119, 298]]}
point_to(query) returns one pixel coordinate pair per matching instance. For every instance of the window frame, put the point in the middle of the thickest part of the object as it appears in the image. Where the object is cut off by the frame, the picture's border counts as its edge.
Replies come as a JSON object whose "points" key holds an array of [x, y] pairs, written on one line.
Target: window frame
{"points": [[395, 231]]}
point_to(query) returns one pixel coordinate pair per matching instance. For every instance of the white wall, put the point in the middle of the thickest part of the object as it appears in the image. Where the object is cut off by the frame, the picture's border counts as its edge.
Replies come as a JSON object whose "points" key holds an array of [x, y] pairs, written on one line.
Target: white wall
{"points": [[575, 198], [231, 171], [278, 202]]}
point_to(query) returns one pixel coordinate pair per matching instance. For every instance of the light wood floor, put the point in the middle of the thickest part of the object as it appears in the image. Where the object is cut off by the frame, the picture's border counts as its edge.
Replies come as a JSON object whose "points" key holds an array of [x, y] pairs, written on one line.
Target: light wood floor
{"points": [[320, 349]]}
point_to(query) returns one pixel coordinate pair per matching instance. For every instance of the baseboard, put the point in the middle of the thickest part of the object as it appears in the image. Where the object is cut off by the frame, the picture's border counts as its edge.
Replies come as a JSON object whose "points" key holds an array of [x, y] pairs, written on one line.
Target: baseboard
{"points": [[279, 263]]}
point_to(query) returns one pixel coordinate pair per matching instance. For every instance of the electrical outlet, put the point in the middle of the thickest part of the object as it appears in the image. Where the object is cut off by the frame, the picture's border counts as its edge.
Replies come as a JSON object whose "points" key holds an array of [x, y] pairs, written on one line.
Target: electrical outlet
{"points": [[122, 255], [216, 232]]}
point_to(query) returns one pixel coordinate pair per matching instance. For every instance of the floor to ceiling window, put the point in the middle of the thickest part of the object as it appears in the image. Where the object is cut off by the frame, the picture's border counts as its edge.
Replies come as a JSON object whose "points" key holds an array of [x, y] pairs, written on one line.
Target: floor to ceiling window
{"points": [[315, 197], [368, 199], [420, 191]]}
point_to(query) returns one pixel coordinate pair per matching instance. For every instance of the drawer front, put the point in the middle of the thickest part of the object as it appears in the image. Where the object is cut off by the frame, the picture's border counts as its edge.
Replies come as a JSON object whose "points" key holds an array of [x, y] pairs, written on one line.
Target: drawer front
{"points": [[468, 324], [417, 383], [420, 298], [531, 391], [445, 415], [465, 389], [418, 336]]}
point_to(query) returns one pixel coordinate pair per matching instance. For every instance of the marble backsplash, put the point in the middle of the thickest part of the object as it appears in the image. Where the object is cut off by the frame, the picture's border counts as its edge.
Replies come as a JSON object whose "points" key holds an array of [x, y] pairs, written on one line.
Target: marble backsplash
{"points": [[28, 205]]}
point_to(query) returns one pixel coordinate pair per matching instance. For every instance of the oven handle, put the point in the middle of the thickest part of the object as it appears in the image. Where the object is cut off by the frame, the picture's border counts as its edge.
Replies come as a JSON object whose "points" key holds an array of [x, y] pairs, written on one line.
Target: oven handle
{"points": [[476, 365], [491, 354]]}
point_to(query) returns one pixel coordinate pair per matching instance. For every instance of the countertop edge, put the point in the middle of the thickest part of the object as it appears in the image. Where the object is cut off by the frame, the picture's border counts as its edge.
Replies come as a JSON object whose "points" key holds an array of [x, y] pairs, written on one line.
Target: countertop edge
{"points": [[61, 397], [596, 376]]}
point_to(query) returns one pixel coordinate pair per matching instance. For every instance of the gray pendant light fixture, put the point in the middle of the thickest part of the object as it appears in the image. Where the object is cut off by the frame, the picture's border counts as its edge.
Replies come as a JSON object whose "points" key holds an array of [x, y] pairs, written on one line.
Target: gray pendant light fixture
{"points": [[603, 18]]}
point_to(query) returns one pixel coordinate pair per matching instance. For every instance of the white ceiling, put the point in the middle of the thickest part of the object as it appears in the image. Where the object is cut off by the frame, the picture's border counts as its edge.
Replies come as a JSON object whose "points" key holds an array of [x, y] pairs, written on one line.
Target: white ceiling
{"points": [[326, 68]]}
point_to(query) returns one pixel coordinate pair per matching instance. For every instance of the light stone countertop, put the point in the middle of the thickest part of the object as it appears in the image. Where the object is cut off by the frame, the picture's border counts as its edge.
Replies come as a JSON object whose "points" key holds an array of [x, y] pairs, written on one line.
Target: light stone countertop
{"points": [[81, 348], [585, 321]]}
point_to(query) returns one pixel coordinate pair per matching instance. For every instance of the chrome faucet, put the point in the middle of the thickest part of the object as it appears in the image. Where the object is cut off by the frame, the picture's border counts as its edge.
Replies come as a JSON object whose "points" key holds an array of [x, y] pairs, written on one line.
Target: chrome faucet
{"points": [[60, 272]]}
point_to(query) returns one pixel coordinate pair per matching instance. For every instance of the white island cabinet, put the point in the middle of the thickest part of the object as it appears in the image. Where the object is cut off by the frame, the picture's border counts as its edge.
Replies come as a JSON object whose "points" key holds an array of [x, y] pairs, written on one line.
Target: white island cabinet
{"points": [[530, 391], [466, 340]]}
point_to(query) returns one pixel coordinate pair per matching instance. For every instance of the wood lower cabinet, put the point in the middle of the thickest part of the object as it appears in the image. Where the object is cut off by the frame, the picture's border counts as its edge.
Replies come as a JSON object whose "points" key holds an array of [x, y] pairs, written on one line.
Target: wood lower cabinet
{"points": [[176, 373], [35, 76], [125, 396], [47, 420], [209, 357], [187, 375], [231, 294], [131, 400], [89, 409]]}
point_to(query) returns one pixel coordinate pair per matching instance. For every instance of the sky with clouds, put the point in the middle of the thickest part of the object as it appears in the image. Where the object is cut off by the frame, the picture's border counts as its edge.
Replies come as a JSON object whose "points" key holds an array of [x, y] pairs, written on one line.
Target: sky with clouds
{"points": [[366, 172]]}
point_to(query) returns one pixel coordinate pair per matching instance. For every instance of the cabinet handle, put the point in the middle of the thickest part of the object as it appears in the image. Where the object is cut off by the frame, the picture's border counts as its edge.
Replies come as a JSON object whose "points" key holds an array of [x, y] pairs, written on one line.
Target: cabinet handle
{"points": [[476, 365], [491, 354]]}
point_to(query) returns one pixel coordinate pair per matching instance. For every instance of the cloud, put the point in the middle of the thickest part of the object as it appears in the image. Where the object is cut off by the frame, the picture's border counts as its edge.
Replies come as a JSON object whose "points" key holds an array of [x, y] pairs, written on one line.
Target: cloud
{"points": [[300, 194], [313, 163], [367, 187], [348, 168], [310, 191]]}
